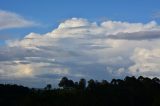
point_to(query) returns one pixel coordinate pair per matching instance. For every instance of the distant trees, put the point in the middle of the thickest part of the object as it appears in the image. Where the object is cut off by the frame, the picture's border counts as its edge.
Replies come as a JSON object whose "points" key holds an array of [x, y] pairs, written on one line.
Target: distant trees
{"points": [[48, 87], [130, 91], [82, 83], [91, 84], [104, 84], [65, 83], [131, 82]]}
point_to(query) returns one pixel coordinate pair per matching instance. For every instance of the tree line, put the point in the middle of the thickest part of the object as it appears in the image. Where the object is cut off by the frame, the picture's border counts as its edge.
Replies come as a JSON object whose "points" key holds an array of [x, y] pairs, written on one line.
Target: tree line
{"points": [[130, 91]]}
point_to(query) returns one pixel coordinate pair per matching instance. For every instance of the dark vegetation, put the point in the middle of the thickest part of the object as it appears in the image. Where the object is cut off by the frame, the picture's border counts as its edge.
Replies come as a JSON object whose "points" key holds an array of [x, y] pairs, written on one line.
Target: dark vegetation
{"points": [[128, 92]]}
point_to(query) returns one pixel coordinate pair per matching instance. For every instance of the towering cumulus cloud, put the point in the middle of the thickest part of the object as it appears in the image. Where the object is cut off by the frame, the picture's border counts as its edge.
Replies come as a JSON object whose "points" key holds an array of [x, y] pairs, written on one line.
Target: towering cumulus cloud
{"points": [[80, 48]]}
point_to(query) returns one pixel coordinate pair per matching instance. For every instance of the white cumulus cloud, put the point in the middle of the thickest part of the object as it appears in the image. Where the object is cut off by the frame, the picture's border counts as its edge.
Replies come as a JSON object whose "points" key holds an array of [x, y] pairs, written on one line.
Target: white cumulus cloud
{"points": [[146, 62], [80, 48]]}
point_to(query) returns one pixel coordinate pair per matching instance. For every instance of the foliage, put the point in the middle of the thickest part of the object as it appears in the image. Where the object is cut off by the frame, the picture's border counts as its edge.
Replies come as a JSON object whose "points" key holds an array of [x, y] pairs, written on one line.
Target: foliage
{"points": [[131, 91]]}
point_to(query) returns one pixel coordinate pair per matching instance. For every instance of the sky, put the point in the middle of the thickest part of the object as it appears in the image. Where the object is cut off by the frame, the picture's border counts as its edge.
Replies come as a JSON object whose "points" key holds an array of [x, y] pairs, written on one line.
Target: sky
{"points": [[42, 41]]}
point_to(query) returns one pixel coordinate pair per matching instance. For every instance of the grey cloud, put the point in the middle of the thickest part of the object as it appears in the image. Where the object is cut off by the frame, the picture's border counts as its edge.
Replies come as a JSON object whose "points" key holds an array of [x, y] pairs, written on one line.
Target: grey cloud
{"points": [[143, 35], [50, 76]]}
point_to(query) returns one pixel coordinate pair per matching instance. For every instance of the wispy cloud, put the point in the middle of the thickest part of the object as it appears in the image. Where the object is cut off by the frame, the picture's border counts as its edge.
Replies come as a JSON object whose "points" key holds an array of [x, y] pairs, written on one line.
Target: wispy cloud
{"points": [[12, 20]]}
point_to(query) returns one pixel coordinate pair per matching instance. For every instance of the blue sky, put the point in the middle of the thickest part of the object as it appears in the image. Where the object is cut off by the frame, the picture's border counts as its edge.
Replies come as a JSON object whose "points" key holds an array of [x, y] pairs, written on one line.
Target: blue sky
{"points": [[41, 41], [50, 13]]}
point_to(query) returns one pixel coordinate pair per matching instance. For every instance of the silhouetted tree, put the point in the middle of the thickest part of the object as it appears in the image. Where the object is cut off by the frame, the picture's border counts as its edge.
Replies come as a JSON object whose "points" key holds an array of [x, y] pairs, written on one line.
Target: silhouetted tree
{"points": [[91, 84], [48, 87], [104, 84], [140, 78], [76, 85], [114, 82], [70, 84], [82, 83], [65, 83], [131, 91]]}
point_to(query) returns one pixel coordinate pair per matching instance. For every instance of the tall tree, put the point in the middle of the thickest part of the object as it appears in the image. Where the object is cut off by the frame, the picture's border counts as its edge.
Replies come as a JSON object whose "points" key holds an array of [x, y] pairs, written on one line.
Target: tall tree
{"points": [[82, 83], [91, 84]]}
